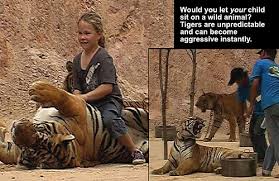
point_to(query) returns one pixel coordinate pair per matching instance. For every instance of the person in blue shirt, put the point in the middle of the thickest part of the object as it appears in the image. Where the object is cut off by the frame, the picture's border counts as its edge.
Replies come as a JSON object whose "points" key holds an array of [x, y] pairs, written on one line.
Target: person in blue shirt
{"points": [[257, 134], [265, 76]]}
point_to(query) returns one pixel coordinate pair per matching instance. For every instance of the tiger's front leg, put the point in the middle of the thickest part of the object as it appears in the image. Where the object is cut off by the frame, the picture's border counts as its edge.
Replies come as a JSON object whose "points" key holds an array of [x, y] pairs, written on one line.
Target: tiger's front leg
{"points": [[217, 122], [232, 124], [186, 167], [48, 95], [241, 121], [165, 169]]}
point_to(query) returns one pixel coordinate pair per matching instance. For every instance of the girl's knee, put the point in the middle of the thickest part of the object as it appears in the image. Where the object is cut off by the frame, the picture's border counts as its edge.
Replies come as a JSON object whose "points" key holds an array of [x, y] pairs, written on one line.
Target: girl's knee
{"points": [[108, 118]]}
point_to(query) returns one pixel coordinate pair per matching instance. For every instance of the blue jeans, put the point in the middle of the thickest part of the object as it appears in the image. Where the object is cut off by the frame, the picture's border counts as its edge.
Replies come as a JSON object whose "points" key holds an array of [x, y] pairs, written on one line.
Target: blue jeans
{"points": [[257, 135], [269, 159], [272, 127], [111, 116]]}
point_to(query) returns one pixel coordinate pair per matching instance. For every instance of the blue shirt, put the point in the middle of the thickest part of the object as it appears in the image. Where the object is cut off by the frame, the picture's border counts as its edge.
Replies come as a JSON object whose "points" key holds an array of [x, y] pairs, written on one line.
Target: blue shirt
{"points": [[243, 92], [268, 72]]}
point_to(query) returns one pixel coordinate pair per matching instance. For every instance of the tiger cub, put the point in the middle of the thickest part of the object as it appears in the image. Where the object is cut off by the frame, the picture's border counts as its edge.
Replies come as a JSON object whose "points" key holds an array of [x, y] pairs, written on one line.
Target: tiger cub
{"points": [[186, 156]]}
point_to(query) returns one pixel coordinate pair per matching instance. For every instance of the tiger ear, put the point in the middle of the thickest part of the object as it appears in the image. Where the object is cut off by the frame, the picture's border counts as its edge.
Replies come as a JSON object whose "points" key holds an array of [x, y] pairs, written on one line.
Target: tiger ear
{"points": [[69, 137], [69, 66], [66, 138]]}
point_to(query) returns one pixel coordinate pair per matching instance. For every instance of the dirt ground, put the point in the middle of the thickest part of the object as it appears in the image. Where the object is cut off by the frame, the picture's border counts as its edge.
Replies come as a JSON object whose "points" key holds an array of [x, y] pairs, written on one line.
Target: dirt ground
{"points": [[157, 155], [123, 172]]}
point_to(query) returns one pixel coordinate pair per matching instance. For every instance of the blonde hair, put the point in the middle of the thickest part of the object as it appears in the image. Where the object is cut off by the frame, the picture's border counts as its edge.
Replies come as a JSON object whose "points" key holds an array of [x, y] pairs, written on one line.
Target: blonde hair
{"points": [[96, 21]]}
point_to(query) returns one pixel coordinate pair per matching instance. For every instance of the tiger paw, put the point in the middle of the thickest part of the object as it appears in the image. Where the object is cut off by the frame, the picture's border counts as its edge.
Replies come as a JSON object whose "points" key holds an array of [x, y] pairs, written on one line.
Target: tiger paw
{"points": [[44, 93], [232, 140], [23, 167], [157, 172], [218, 170], [173, 173]]}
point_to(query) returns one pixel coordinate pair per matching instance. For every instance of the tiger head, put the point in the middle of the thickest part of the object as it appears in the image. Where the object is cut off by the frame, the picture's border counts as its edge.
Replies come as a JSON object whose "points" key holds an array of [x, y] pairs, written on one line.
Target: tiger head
{"points": [[23, 133], [191, 128], [206, 101], [40, 147]]}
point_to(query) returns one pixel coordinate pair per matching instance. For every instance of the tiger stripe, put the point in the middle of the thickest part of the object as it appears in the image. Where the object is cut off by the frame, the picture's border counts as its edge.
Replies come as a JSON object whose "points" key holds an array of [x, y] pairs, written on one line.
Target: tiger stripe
{"points": [[50, 152], [186, 156], [224, 106]]}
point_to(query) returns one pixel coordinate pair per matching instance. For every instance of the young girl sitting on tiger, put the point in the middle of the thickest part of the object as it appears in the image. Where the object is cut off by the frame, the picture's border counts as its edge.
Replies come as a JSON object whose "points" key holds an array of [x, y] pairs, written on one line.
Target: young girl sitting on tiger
{"points": [[94, 80]]}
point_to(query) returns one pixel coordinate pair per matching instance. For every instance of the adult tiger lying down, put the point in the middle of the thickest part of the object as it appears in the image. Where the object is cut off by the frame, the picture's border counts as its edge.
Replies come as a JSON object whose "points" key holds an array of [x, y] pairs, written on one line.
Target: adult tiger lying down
{"points": [[186, 156], [67, 133]]}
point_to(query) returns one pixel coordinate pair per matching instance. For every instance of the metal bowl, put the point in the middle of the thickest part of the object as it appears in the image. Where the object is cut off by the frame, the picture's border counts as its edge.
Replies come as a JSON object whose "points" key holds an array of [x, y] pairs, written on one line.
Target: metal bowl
{"points": [[239, 167]]}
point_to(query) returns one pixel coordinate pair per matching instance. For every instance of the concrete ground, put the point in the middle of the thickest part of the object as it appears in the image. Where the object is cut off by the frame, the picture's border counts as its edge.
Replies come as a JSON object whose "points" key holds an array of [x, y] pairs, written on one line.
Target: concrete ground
{"points": [[156, 161]]}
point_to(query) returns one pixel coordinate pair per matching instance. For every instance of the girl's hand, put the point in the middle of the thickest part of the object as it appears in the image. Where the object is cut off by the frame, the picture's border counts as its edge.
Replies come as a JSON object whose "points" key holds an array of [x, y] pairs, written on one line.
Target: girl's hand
{"points": [[82, 96]]}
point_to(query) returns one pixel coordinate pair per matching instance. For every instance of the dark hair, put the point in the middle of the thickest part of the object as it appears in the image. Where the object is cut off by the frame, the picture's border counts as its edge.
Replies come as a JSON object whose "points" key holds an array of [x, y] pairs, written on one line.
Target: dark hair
{"points": [[96, 21], [270, 52], [237, 74]]}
